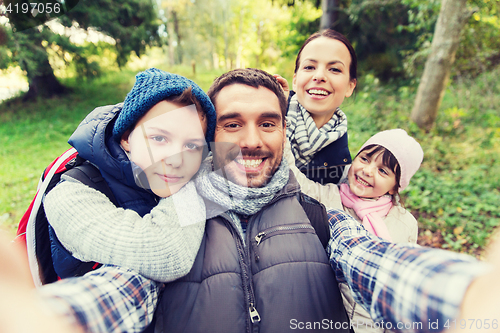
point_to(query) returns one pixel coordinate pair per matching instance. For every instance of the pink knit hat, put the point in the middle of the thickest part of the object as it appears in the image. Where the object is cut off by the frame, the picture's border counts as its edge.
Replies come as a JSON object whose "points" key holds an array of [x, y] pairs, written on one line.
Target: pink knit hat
{"points": [[404, 148]]}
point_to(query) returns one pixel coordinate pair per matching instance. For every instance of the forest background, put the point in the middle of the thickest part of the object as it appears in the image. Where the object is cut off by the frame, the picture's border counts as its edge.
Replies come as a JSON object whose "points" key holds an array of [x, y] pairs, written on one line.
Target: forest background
{"points": [[60, 67]]}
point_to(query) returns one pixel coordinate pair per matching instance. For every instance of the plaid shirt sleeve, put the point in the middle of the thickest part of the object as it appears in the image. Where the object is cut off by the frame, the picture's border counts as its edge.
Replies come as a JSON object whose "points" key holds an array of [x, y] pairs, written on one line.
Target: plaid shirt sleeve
{"points": [[109, 299], [404, 287]]}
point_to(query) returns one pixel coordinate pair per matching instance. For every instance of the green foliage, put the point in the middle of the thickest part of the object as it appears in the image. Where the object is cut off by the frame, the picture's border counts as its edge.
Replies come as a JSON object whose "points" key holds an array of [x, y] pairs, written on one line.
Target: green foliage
{"points": [[373, 29], [455, 193], [479, 50], [5, 53], [480, 44], [303, 22], [132, 24], [392, 38], [24, 14]]}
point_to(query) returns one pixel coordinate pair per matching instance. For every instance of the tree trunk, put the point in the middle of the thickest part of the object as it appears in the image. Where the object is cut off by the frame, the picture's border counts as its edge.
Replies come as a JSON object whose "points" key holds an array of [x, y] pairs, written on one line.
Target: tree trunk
{"points": [[180, 52], [239, 57], [452, 18], [43, 82], [330, 14], [171, 40]]}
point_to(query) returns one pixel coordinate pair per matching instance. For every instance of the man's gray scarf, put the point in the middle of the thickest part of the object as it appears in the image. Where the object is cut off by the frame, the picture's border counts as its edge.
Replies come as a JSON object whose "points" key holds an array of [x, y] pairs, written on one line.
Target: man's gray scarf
{"points": [[235, 199], [305, 138]]}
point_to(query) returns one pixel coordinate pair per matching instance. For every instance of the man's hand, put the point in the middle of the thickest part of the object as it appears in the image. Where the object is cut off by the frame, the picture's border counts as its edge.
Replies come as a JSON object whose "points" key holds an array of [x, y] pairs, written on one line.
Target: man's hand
{"points": [[480, 310], [14, 262], [20, 308]]}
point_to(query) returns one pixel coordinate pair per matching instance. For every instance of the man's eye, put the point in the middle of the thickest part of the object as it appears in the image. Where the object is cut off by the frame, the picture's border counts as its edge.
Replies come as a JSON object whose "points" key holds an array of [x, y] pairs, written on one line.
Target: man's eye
{"points": [[267, 125], [232, 125]]}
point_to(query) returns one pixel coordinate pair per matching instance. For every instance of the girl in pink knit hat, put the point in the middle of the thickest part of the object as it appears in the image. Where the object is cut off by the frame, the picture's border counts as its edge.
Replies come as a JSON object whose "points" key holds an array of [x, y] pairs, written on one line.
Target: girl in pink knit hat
{"points": [[383, 166], [381, 169]]}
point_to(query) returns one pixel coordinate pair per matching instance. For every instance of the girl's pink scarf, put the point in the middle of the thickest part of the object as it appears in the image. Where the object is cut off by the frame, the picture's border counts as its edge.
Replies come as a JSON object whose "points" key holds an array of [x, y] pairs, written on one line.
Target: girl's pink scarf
{"points": [[370, 212]]}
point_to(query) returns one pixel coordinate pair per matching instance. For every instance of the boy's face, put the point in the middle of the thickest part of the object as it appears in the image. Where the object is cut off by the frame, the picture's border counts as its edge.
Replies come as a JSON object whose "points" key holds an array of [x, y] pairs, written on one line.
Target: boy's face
{"points": [[167, 144]]}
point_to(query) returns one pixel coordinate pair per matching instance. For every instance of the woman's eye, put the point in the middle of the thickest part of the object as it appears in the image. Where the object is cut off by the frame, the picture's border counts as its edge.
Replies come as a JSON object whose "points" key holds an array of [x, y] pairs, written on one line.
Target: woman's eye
{"points": [[384, 172], [364, 159], [308, 67], [336, 70]]}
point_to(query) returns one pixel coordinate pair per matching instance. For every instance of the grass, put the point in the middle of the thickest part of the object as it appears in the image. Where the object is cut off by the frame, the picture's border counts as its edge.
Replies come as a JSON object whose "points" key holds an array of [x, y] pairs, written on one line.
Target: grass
{"points": [[454, 195]]}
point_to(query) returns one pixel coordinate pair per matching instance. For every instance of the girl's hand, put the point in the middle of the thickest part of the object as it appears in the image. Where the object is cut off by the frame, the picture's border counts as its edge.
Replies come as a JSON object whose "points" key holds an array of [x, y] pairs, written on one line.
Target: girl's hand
{"points": [[284, 84]]}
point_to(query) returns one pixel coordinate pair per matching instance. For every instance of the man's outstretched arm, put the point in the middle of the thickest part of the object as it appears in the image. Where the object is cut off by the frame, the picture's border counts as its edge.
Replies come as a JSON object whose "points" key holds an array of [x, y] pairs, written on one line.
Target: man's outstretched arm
{"points": [[408, 287], [109, 299]]}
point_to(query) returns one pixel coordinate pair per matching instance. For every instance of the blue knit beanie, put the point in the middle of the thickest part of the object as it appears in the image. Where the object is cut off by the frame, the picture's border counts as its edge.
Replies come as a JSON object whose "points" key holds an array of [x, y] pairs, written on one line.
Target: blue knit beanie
{"points": [[153, 86]]}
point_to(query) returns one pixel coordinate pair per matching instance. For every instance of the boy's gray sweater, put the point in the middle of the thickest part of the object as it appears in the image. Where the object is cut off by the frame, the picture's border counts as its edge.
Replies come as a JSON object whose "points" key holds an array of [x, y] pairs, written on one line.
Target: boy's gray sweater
{"points": [[162, 245]]}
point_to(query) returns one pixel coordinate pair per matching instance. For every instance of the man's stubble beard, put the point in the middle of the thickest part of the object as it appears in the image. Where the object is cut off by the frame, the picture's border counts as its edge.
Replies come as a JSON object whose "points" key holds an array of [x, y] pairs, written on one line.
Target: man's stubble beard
{"points": [[260, 180]]}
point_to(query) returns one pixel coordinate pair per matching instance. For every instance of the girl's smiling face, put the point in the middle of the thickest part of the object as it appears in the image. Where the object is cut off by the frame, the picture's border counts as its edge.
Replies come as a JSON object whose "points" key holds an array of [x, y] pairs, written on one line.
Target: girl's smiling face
{"points": [[369, 177], [322, 80]]}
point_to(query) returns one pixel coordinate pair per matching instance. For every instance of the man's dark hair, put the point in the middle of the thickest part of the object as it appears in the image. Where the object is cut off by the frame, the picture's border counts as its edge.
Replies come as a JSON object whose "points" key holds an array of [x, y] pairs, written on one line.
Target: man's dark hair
{"points": [[252, 77]]}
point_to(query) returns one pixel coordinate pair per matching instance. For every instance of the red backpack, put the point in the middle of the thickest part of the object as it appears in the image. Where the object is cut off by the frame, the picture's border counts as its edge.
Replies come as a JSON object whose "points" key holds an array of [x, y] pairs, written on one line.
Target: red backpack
{"points": [[33, 229]]}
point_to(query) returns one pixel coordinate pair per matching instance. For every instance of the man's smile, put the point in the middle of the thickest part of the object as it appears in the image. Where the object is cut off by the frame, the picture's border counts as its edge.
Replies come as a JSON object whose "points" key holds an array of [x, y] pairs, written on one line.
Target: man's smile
{"points": [[250, 163]]}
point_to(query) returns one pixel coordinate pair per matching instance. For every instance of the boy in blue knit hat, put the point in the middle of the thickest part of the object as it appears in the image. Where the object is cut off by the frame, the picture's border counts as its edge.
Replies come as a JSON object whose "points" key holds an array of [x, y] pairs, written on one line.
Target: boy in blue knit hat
{"points": [[147, 149]]}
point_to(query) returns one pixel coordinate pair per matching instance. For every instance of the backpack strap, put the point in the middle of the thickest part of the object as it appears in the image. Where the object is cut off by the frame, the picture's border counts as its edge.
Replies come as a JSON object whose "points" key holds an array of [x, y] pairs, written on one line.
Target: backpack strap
{"points": [[316, 213], [88, 174], [34, 222]]}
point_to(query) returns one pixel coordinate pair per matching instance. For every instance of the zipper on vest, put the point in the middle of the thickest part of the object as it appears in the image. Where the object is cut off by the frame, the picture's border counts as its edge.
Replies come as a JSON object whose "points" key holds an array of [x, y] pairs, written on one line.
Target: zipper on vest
{"points": [[279, 230], [254, 314], [254, 318]]}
